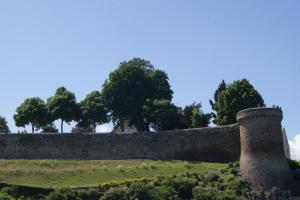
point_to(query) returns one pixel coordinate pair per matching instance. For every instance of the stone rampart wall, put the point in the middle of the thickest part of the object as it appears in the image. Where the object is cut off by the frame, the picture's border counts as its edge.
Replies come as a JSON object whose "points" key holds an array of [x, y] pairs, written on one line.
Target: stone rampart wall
{"points": [[221, 144]]}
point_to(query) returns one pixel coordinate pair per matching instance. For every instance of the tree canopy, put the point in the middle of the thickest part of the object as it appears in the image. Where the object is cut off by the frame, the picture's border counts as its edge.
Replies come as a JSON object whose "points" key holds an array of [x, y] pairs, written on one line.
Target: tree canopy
{"points": [[3, 125], [235, 97], [63, 106], [32, 111], [128, 88], [93, 110]]}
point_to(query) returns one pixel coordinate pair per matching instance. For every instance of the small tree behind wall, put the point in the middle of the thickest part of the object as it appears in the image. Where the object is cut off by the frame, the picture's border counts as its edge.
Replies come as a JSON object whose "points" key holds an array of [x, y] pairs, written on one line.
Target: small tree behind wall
{"points": [[32, 111], [3, 125], [63, 106], [93, 111]]}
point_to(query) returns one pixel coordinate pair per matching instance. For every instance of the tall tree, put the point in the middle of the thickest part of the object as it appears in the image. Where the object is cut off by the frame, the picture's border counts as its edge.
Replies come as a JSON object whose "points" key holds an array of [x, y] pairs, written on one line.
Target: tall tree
{"points": [[194, 117], [129, 87], [32, 111], [222, 86], [237, 96], [3, 125], [93, 110], [63, 106]]}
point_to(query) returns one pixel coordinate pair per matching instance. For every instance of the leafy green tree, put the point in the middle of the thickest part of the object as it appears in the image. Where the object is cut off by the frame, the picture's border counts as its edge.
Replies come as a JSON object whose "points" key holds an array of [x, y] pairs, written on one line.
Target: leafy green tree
{"points": [[129, 87], [63, 106], [32, 111], [93, 110], [3, 125], [163, 115], [49, 128], [194, 116], [237, 96]]}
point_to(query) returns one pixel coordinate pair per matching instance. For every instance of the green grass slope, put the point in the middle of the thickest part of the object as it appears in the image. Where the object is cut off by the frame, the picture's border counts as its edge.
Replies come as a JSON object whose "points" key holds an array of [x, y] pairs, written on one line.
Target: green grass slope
{"points": [[70, 173]]}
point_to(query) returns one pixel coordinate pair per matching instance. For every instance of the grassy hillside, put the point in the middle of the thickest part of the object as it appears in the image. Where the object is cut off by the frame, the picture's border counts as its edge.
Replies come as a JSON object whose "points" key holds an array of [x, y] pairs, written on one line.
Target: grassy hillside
{"points": [[62, 173], [124, 180]]}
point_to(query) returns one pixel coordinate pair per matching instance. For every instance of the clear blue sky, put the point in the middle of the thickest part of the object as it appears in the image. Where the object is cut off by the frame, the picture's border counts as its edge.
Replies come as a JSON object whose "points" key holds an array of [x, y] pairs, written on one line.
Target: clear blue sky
{"points": [[46, 44]]}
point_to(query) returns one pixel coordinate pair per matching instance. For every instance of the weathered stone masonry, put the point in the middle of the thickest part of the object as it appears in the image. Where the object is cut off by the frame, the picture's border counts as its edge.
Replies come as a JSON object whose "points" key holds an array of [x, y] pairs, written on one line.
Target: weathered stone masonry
{"points": [[263, 161], [221, 144]]}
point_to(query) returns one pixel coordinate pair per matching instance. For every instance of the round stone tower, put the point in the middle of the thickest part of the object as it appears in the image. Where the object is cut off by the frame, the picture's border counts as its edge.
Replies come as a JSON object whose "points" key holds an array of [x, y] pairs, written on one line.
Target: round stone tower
{"points": [[262, 160]]}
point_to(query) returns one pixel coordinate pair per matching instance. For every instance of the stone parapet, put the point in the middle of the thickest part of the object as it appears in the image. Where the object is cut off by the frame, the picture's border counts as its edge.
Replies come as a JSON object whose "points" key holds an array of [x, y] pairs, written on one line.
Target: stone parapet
{"points": [[259, 113]]}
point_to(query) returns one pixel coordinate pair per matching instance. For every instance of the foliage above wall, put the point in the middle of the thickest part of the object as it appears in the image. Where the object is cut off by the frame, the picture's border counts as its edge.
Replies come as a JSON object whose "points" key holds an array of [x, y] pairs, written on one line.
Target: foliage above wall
{"points": [[139, 95]]}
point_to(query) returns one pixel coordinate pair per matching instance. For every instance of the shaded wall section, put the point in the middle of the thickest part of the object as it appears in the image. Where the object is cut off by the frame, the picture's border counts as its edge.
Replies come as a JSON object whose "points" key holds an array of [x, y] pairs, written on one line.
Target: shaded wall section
{"points": [[220, 144]]}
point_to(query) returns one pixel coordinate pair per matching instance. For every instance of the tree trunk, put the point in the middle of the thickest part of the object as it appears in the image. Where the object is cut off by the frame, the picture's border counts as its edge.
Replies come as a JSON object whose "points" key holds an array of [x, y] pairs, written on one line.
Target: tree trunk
{"points": [[32, 128], [94, 128], [147, 129], [62, 126]]}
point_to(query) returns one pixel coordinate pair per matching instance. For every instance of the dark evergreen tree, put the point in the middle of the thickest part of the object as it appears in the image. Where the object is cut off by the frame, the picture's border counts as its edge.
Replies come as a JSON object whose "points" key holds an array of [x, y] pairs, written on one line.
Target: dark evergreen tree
{"points": [[237, 96]]}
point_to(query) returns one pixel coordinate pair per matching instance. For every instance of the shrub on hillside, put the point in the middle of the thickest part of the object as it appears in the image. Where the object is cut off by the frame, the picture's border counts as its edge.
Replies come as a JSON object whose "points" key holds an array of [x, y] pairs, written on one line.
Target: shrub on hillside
{"points": [[200, 193], [139, 191], [163, 193], [115, 194], [63, 194], [5, 196], [183, 186], [90, 194], [9, 190], [24, 192], [240, 186], [212, 176]]}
